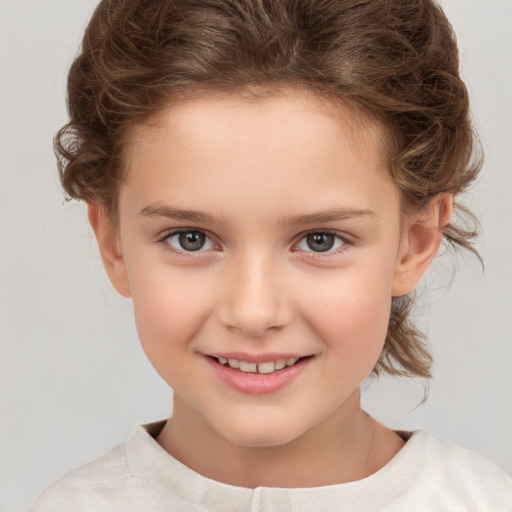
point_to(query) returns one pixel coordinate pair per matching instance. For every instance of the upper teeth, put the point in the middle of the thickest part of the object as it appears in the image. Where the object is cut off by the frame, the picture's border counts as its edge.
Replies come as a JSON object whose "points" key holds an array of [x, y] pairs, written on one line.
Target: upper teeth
{"points": [[267, 367]]}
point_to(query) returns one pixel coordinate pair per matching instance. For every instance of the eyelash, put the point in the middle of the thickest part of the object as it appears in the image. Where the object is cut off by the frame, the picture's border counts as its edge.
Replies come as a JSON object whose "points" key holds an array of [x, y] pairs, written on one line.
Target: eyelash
{"points": [[346, 243], [164, 241]]}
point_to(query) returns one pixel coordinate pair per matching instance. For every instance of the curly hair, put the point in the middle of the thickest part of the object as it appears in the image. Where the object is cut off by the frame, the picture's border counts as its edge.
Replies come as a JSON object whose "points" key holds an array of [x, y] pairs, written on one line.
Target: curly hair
{"points": [[396, 61]]}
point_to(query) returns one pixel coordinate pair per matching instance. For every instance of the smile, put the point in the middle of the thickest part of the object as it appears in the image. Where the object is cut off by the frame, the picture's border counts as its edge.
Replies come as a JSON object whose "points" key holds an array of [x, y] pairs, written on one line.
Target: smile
{"points": [[264, 367], [260, 374]]}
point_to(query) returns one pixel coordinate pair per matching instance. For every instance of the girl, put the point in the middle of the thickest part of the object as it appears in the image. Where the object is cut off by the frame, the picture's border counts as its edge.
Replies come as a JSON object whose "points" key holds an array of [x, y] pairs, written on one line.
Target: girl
{"points": [[268, 180]]}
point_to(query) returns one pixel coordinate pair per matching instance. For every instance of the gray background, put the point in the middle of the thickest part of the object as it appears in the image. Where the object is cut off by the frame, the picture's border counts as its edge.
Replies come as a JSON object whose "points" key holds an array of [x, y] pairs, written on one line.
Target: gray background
{"points": [[74, 379]]}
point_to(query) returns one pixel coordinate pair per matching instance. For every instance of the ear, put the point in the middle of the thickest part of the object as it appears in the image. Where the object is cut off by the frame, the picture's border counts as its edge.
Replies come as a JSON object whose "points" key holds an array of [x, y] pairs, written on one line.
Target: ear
{"points": [[110, 248], [420, 242]]}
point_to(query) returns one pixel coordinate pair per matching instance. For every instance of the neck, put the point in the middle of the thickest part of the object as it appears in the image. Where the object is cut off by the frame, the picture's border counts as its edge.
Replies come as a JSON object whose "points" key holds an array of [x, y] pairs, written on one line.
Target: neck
{"points": [[347, 446]]}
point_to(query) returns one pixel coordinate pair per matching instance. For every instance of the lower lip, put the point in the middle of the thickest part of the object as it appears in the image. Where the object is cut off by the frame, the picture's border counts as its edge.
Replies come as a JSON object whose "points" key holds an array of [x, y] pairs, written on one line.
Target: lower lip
{"points": [[258, 383]]}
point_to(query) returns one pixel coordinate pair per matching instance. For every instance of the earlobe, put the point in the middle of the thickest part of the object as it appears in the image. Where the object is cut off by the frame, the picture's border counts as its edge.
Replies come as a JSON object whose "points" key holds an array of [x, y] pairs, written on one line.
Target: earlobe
{"points": [[110, 250], [420, 243]]}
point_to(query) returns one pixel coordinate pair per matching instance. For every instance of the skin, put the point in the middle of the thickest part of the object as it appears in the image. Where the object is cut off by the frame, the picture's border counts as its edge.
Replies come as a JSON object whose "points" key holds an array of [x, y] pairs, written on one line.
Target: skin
{"points": [[257, 167]]}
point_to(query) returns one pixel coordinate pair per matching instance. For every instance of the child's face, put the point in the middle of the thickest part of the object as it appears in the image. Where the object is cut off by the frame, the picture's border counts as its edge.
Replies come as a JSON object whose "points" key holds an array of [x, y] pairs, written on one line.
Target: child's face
{"points": [[260, 231]]}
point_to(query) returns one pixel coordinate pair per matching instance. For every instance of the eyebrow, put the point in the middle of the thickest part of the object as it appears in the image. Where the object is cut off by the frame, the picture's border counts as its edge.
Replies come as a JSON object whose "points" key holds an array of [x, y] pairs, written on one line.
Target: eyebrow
{"points": [[330, 215], [156, 210]]}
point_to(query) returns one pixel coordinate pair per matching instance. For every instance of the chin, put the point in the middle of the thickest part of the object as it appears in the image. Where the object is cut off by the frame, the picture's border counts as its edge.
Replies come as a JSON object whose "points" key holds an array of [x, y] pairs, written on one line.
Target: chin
{"points": [[260, 434]]}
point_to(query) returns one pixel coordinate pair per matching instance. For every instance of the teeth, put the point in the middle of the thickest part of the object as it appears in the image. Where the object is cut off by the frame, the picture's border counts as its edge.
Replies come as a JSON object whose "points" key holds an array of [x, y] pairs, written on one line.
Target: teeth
{"points": [[280, 364], [248, 367], [266, 367]]}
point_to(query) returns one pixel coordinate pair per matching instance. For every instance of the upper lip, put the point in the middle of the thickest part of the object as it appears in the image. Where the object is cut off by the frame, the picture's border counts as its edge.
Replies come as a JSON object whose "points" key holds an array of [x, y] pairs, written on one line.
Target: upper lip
{"points": [[257, 358]]}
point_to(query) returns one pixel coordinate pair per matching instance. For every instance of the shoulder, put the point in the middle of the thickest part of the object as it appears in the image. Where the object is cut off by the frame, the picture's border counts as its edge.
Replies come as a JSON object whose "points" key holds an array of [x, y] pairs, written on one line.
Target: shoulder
{"points": [[458, 477], [89, 487], [134, 476]]}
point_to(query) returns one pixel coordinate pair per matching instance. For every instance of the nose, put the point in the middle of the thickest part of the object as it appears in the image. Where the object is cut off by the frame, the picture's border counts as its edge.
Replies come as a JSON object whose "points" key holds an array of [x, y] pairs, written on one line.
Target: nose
{"points": [[255, 299]]}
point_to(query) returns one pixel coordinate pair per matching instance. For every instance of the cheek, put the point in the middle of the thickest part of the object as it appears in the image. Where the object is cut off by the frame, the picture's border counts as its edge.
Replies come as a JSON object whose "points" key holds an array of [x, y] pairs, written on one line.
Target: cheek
{"points": [[351, 315], [169, 310]]}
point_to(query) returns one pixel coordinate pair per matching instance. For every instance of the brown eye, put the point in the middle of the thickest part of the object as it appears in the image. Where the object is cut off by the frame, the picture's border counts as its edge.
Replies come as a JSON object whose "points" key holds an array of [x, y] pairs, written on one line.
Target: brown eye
{"points": [[192, 240], [189, 241], [320, 242]]}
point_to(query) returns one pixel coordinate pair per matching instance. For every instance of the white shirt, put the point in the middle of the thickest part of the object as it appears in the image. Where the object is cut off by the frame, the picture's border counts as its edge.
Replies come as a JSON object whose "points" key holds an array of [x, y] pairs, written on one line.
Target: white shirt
{"points": [[139, 475]]}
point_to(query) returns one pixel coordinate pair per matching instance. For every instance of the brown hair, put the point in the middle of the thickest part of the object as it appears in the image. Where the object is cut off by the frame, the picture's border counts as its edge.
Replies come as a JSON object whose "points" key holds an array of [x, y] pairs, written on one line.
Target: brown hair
{"points": [[397, 61]]}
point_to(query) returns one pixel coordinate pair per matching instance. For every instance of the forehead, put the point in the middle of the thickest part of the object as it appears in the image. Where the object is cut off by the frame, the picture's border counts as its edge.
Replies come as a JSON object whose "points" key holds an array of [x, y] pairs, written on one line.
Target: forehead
{"points": [[256, 113], [278, 149]]}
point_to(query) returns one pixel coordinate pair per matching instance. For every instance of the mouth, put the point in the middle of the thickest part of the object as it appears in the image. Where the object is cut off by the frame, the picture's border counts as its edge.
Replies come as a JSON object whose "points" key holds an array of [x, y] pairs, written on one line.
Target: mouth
{"points": [[259, 375], [265, 367]]}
